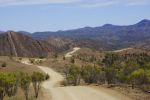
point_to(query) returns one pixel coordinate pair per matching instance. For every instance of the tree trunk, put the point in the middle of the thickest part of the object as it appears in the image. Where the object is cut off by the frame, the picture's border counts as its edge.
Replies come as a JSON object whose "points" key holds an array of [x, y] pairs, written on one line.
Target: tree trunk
{"points": [[132, 85], [26, 94], [2, 96], [37, 89]]}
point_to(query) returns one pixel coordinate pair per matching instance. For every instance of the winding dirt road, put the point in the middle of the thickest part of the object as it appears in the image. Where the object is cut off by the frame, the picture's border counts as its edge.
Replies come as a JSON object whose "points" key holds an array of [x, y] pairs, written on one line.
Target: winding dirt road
{"points": [[116, 51], [69, 54], [75, 92]]}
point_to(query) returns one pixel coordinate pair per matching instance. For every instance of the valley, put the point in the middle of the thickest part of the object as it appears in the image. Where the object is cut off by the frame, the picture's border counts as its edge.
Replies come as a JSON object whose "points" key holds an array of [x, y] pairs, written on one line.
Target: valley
{"points": [[53, 89], [91, 63]]}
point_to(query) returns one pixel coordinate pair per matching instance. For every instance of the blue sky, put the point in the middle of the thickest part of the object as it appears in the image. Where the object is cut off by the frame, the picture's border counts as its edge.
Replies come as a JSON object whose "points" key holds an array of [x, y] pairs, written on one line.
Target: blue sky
{"points": [[53, 15]]}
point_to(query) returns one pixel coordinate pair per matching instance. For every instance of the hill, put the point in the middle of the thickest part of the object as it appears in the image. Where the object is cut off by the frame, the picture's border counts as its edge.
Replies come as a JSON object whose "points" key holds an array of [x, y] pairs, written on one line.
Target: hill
{"points": [[16, 44]]}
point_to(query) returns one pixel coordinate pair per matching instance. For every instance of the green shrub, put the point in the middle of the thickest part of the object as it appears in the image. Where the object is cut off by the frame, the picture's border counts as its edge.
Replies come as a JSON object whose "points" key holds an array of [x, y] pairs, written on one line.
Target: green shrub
{"points": [[90, 74], [37, 79], [73, 74], [25, 81]]}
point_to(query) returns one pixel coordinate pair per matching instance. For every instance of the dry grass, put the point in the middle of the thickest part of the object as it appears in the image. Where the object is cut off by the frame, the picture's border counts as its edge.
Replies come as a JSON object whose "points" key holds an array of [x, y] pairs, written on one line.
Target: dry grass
{"points": [[134, 50], [20, 95], [13, 66], [59, 64], [136, 93], [88, 51]]}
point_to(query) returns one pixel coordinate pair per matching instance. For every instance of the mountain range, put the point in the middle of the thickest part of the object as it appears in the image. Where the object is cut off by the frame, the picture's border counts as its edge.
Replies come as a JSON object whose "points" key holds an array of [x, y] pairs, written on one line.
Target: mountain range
{"points": [[106, 37]]}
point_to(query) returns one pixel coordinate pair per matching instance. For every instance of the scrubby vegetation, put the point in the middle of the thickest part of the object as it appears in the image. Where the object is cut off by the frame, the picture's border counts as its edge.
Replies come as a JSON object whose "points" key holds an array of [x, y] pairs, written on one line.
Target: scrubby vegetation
{"points": [[73, 73], [10, 82], [72, 60], [114, 69], [37, 78], [32, 61]]}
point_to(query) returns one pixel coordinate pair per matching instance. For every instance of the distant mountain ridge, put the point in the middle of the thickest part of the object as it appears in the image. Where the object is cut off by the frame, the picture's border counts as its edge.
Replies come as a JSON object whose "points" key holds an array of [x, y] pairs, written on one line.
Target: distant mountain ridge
{"points": [[96, 30], [107, 36]]}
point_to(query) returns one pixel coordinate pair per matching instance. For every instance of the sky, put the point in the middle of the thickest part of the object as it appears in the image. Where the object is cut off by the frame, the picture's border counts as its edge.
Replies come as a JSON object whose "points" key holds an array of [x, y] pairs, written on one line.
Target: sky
{"points": [[54, 15]]}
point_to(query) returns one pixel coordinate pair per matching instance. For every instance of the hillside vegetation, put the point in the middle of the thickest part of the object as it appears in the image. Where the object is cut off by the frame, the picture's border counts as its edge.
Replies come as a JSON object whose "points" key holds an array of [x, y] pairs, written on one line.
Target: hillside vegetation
{"points": [[127, 69], [19, 81]]}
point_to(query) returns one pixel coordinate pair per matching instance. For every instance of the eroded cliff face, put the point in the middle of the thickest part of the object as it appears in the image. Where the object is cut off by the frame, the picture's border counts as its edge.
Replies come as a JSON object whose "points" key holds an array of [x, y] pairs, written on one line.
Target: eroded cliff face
{"points": [[16, 44]]}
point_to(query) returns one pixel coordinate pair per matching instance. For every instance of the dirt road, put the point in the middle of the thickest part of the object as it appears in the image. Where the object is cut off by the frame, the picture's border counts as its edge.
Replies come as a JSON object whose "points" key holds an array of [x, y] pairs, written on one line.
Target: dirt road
{"points": [[69, 54], [74, 92], [122, 50]]}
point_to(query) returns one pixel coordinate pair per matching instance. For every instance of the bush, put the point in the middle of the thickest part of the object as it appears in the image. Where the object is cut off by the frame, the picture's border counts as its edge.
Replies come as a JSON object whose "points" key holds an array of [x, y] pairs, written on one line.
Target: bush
{"points": [[9, 83], [90, 74], [55, 55], [42, 57], [47, 77], [32, 61], [64, 58], [37, 78], [72, 60], [20, 58], [25, 81], [73, 74], [140, 77], [4, 64], [2, 93]]}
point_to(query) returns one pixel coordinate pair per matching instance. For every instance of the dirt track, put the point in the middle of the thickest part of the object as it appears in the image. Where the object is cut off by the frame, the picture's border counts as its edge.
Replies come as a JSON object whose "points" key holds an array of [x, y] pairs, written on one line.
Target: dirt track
{"points": [[116, 51], [75, 92], [69, 54]]}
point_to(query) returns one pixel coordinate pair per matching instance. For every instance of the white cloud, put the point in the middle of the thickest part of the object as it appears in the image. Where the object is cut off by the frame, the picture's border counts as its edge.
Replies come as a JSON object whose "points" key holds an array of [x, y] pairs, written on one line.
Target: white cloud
{"points": [[102, 3], [81, 3], [138, 2], [99, 4], [34, 2]]}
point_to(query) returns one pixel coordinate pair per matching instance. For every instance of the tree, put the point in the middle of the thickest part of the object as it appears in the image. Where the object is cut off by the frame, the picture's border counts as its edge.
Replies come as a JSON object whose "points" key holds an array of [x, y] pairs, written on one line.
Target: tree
{"points": [[137, 77], [90, 73], [130, 66], [47, 77], [55, 55], [64, 58], [110, 74], [2, 93], [8, 82], [37, 79], [148, 75], [73, 75], [72, 60], [121, 77], [147, 65], [25, 83]]}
